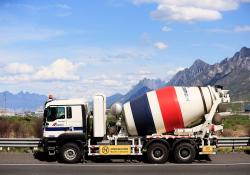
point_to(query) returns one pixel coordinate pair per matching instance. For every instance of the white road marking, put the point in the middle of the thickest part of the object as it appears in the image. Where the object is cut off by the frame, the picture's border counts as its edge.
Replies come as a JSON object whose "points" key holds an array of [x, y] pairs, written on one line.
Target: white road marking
{"points": [[129, 165]]}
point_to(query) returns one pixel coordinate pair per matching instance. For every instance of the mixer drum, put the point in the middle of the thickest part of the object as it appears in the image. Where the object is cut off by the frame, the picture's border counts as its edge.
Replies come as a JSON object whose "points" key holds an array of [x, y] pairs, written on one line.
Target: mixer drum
{"points": [[163, 110]]}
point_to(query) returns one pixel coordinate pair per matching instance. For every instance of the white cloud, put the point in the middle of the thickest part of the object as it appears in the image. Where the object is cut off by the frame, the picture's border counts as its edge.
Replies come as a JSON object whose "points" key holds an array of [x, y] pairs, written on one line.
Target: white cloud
{"points": [[95, 55], [64, 10], [172, 72], [244, 0], [236, 29], [64, 14], [16, 68], [27, 7], [166, 29], [12, 34], [245, 28], [182, 13], [221, 46], [59, 70], [191, 10], [144, 72], [13, 79], [110, 82], [63, 6], [161, 45], [218, 30]]}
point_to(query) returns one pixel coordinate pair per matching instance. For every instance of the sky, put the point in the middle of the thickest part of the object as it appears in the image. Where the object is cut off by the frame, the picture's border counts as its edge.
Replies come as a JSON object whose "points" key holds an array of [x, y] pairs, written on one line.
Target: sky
{"points": [[76, 48]]}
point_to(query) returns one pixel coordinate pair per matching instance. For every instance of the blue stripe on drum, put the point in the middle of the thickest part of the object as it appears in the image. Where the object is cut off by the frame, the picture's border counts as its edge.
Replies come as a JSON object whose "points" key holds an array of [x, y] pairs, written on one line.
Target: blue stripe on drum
{"points": [[142, 116]]}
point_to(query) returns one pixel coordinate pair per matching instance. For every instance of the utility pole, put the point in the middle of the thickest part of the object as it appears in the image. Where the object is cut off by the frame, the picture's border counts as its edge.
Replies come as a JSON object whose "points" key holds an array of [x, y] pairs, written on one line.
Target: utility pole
{"points": [[5, 101]]}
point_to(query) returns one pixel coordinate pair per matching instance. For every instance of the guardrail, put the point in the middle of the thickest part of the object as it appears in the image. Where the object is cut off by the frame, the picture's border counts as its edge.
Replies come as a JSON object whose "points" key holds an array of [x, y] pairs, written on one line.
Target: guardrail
{"points": [[19, 142], [33, 142], [233, 141]]}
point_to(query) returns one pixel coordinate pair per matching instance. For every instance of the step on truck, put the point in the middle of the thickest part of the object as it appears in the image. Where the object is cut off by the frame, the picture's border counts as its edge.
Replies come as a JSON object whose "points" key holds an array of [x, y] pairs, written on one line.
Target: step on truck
{"points": [[176, 121]]}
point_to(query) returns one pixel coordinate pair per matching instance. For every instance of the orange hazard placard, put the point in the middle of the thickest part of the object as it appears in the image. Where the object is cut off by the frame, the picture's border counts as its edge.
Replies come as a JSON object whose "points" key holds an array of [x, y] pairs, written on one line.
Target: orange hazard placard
{"points": [[207, 149], [115, 150]]}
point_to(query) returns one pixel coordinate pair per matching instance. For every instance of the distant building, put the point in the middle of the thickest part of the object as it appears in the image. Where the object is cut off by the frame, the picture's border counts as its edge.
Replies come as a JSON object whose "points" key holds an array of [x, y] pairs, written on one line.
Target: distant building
{"points": [[39, 113], [4, 112], [247, 108]]}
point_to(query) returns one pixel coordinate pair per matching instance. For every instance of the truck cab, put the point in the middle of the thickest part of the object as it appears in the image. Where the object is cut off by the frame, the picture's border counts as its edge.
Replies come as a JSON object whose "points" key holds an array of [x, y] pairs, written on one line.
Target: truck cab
{"points": [[67, 125], [64, 122], [64, 117]]}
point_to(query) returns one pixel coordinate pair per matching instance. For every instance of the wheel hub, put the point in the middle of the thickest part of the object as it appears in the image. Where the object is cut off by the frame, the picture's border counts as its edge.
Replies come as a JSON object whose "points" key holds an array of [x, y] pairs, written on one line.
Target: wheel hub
{"points": [[157, 153], [70, 154], [185, 153]]}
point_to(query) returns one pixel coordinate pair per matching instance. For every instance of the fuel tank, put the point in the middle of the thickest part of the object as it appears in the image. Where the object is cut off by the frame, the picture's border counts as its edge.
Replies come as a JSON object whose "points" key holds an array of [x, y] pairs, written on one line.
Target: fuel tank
{"points": [[161, 111]]}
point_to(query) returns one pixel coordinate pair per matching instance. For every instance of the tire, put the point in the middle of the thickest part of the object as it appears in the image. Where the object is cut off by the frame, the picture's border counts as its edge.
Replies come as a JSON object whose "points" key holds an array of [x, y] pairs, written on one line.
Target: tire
{"points": [[70, 153], [157, 153], [184, 153]]}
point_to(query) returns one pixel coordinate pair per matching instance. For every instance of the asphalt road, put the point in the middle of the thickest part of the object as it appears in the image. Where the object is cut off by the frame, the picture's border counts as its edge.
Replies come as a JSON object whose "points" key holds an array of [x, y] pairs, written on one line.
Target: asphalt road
{"points": [[25, 164]]}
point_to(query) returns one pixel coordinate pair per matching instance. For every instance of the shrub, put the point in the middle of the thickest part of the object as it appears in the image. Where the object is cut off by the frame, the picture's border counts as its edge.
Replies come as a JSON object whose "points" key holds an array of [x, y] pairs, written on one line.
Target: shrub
{"points": [[20, 127]]}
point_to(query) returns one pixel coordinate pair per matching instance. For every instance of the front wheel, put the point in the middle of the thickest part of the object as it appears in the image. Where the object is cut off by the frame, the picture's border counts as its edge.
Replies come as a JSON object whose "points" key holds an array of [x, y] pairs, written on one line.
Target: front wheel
{"points": [[70, 153], [184, 153], [157, 153]]}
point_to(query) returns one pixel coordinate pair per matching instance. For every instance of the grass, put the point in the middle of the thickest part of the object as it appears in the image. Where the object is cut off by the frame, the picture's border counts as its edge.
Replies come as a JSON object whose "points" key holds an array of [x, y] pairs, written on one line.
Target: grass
{"points": [[229, 149], [236, 126], [16, 150], [231, 122]]}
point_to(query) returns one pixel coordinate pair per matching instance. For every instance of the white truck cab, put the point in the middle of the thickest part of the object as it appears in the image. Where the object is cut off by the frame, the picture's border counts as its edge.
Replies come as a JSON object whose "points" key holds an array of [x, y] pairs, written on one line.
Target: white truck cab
{"points": [[68, 124], [64, 116]]}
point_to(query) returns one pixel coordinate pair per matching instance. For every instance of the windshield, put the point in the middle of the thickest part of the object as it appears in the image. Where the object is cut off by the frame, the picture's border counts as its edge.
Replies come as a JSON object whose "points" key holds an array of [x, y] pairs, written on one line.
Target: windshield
{"points": [[53, 113]]}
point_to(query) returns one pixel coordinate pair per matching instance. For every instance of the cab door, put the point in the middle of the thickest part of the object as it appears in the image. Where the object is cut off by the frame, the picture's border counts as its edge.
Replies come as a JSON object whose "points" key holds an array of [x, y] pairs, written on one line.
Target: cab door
{"points": [[55, 121], [74, 118]]}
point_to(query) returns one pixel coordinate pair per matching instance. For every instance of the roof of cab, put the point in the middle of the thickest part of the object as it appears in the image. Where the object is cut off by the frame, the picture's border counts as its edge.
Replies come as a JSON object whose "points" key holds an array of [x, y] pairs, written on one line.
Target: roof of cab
{"points": [[66, 102]]}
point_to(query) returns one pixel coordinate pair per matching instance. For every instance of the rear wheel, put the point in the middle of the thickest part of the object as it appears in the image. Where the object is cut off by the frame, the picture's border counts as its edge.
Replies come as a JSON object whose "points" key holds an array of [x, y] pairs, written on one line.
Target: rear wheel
{"points": [[70, 153], [184, 153], [157, 153]]}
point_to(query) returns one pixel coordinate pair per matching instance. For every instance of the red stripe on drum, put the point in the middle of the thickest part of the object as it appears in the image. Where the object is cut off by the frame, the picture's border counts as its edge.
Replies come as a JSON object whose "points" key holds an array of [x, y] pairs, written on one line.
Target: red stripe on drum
{"points": [[170, 108]]}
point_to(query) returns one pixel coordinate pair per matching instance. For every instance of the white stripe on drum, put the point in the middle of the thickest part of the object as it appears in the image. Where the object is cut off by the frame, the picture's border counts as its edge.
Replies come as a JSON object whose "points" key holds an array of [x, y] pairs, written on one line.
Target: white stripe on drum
{"points": [[129, 119], [156, 112], [190, 103]]}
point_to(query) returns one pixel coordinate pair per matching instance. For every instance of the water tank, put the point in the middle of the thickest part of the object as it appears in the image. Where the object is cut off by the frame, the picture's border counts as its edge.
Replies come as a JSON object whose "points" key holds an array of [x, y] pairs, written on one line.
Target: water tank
{"points": [[163, 110]]}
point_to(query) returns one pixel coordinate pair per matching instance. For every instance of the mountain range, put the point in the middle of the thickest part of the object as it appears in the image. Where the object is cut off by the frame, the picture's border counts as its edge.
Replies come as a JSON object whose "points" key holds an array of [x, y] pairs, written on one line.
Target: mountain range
{"points": [[22, 101], [232, 73], [142, 87]]}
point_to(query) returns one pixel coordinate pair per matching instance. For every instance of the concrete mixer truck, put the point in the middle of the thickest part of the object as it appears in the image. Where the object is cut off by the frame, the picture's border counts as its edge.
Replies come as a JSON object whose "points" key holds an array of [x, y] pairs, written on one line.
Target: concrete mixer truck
{"points": [[176, 121]]}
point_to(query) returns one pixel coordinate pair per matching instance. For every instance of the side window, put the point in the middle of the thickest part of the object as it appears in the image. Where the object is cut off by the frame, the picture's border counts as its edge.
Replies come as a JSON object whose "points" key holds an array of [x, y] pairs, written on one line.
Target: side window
{"points": [[60, 113], [69, 112], [54, 113]]}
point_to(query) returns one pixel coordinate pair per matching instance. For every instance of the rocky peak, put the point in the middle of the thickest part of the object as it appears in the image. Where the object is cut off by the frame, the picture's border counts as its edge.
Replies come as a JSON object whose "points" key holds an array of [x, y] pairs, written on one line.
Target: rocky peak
{"points": [[244, 52], [233, 73], [150, 83], [241, 59], [198, 66]]}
